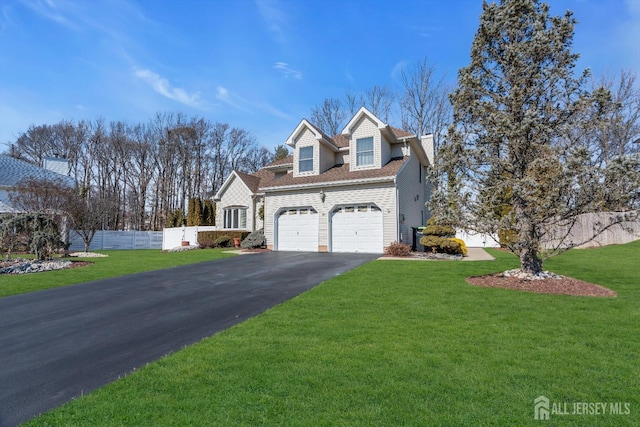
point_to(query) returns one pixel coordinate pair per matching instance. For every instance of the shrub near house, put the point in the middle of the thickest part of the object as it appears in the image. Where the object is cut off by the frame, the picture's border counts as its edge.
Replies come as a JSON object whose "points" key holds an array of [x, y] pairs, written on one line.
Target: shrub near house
{"points": [[212, 239], [439, 237]]}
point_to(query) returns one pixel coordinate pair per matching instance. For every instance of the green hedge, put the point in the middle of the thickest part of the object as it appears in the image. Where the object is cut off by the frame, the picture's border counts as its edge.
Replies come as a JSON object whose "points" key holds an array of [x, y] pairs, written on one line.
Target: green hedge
{"points": [[207, 239]]}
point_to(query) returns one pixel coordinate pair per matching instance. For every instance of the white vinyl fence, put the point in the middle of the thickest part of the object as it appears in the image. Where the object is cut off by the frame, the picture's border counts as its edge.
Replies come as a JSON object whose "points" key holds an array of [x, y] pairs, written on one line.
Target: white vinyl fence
{"points": [[173, 237], [478, 240], [110, 239]]}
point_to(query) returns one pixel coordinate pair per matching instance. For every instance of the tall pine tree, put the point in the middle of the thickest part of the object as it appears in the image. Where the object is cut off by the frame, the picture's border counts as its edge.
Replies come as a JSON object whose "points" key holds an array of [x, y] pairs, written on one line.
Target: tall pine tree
{"points": [[519, 112]]}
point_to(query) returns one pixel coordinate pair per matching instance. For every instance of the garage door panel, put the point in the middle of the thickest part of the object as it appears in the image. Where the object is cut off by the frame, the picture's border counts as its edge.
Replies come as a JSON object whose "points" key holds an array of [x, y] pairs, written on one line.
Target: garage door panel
{"points": [[357, 228], [298, 230]]}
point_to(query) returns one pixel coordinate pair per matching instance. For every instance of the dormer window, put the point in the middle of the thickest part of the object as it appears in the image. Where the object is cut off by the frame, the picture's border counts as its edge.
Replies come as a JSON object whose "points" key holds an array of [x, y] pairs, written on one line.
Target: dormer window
{"points": [[364, 151], [305, 159]]}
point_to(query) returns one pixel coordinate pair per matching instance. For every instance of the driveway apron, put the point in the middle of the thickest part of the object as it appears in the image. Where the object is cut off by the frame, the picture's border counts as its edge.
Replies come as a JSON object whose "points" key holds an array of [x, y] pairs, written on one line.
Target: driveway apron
{"points": [[61, 343]]}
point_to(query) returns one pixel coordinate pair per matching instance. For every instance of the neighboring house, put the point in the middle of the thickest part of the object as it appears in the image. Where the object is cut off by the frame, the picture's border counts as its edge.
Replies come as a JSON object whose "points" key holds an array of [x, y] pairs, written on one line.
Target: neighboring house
{"points": [[358, 191], [12, 171]]}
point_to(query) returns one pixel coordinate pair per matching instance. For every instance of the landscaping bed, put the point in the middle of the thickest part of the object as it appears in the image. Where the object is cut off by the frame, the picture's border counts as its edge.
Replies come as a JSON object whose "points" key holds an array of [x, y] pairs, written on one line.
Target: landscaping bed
{"points": [[26, 266], [554, 285]]}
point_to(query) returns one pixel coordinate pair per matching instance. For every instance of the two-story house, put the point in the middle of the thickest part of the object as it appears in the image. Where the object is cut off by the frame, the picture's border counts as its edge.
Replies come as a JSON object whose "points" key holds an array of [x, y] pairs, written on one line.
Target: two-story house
{"points": [[358, 191]]}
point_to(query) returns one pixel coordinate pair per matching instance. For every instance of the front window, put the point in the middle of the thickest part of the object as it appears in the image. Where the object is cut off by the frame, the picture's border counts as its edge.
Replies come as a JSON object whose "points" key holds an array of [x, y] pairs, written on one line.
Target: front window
{"points": [[305, 159], [364, 151], [235, 218]]}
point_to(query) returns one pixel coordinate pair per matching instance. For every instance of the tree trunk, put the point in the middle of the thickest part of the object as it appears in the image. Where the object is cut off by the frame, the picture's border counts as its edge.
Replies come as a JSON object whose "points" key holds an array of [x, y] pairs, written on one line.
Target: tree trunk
{"points": [[529, 261], [527, 239]]}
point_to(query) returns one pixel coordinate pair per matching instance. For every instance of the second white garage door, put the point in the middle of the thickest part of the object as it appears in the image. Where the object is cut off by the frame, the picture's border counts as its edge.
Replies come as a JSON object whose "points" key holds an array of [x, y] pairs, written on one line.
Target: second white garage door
{"points": [[357, 228], [298, 230]]}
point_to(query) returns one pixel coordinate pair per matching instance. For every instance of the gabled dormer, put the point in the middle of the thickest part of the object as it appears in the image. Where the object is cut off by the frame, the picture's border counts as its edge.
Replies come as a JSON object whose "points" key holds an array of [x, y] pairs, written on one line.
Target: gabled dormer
{"points": [[313, 151], [368, 146], [373, 143]]}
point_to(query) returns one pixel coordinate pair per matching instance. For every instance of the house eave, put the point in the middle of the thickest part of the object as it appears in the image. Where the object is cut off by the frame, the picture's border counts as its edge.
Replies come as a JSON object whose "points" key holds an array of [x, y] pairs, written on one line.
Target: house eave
{"points": [[281, 166], [326, 184]]}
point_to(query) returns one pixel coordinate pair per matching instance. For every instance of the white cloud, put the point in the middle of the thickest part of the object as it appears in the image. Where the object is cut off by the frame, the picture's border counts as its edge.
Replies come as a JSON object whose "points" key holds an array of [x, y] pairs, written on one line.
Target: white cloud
{"points": [[164, 88], [274, 18], [286, 71], [228, 97], [396, 71], [52, 10]]}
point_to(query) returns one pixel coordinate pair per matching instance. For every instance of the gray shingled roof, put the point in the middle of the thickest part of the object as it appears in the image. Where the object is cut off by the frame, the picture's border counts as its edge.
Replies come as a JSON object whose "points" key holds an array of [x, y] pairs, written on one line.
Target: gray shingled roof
{"points": [[13, 171], [337, 173]]}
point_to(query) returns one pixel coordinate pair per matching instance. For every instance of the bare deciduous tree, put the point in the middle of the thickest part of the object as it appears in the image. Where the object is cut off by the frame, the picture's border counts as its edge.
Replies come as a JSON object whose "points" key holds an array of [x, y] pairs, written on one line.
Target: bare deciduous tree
{"points": [[329, 116], [425, 106]]}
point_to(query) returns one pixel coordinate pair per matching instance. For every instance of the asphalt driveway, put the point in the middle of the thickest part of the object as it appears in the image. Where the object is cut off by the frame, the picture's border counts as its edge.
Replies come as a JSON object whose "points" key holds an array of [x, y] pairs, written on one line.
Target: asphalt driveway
{"points": [[61, 343]]}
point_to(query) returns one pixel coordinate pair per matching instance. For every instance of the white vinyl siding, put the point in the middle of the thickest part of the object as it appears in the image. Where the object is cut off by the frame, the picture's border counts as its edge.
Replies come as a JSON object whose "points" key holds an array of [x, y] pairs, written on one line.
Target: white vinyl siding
{"points": [[412, 195], [364, 151], [306, 159], [327, 158]]}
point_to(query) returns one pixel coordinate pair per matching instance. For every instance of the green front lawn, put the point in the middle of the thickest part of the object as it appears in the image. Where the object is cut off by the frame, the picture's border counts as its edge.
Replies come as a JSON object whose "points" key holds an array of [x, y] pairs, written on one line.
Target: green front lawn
{"points": [[401, 343], [118, 263]]}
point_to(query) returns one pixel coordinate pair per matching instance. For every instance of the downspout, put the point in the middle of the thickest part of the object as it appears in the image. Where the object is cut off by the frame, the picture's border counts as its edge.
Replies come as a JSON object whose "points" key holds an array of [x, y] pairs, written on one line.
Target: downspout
{"points": [[398, 233], [254, 212]]}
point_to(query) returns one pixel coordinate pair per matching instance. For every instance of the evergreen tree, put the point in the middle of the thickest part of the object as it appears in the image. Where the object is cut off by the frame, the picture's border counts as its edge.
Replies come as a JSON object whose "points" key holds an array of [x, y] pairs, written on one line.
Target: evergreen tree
{"points": [[209, 213], [191, 213], [518, 112], [198, 216]]}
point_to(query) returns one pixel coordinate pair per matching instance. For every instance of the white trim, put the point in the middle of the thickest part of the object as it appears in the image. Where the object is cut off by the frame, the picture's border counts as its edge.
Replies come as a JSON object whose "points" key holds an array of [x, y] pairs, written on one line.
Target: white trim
{"points": [[304, 124], [362, 112]]}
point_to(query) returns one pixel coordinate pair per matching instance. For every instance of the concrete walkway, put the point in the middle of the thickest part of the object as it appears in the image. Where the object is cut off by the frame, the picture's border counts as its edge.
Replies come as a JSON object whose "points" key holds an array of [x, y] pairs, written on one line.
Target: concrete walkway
{"points": [[477, 254]]}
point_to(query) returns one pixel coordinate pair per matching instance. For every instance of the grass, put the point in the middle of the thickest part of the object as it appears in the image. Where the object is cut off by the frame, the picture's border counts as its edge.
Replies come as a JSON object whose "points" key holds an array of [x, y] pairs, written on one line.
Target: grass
{"points": [[118, 263], [400, 343]]}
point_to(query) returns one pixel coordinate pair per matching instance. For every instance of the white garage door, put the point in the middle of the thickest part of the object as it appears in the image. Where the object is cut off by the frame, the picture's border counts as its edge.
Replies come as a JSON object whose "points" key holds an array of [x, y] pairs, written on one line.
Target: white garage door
{"points": [[298, 230], [357, 228]]}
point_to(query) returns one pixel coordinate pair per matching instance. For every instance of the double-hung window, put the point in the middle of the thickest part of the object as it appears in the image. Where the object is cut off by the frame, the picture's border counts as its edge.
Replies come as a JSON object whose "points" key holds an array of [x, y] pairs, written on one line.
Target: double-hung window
{"points": [[235, 218], [364, 151], [305, 159]]}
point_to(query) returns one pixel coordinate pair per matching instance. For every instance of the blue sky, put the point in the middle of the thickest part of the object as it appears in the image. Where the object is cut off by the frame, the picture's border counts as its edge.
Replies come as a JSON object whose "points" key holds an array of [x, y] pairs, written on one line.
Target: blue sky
{"points": [[260, 65]]}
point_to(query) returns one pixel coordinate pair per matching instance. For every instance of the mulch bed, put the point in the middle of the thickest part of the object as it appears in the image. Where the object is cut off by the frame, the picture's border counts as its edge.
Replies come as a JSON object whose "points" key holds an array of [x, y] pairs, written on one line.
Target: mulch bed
{"points": [[563, 286], [75, 264]]}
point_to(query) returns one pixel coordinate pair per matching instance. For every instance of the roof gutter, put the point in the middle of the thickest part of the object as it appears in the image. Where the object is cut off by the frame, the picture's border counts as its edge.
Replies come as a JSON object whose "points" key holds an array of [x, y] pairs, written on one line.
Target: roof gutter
{"points": [[383, 179]]}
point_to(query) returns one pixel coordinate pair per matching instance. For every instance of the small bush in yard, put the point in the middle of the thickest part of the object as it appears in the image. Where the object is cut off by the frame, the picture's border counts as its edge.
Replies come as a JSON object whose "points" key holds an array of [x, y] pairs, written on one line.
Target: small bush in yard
{"points": [[463, 246], [439, 230], [397, 249], [223, 242], [253, 240], [451, 247], [444, 245]]}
